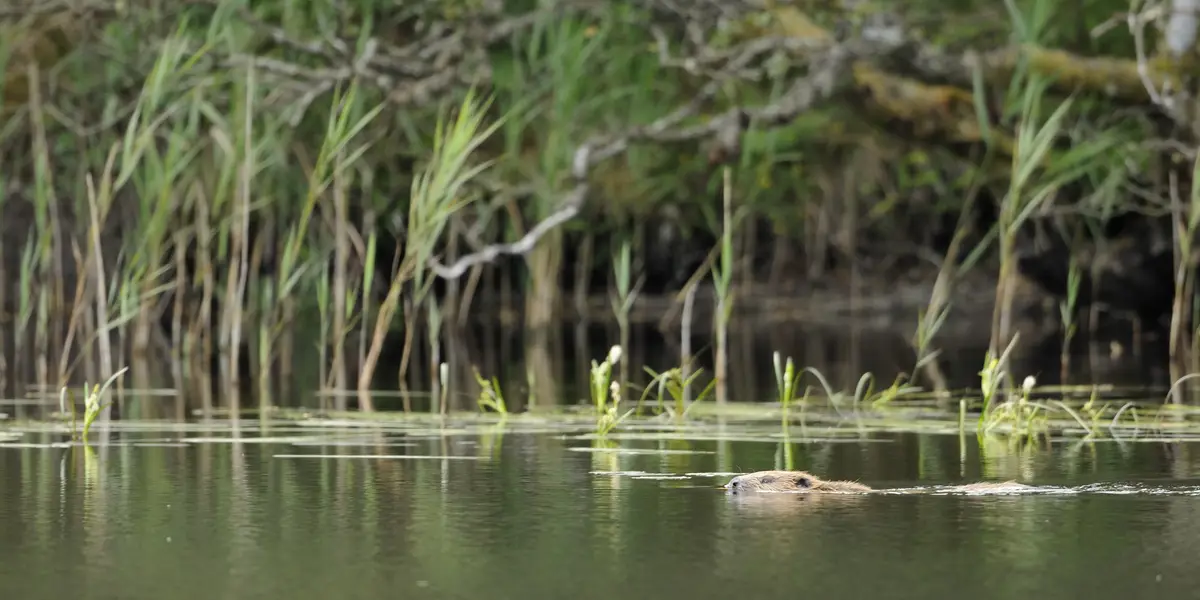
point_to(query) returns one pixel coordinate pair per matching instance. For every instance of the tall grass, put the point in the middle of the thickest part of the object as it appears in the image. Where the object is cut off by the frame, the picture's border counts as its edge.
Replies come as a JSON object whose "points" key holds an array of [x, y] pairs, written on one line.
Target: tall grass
{"points": [[1025, 195], [1038, 168], [218, 197], [722, 277], [435, 198], [1038, 172], [553, 61], [1067, 312], [1185, 220], [623, 299]]}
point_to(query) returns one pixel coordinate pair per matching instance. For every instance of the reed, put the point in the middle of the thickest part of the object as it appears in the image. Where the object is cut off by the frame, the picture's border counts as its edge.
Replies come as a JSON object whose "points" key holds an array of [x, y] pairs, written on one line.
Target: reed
{"points": [[1038, 170], [323, 311], [722, 277], [47, 292], [937, 310], [435, 198], [5, 55], [1023, 197], [1067, 309], [622, 300], [786, 379], [1185, 220], [195, 187], [437, 382], [4, 317]]}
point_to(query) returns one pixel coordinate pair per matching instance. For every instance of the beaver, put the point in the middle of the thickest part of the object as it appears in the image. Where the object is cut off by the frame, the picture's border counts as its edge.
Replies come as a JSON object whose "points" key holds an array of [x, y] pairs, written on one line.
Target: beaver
{"points": [[791, 481], [802, 481]]}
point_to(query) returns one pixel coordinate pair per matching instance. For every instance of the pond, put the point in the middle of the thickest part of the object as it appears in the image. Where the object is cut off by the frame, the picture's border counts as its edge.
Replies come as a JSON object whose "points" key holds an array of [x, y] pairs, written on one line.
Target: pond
{"points": [[537, 508]]}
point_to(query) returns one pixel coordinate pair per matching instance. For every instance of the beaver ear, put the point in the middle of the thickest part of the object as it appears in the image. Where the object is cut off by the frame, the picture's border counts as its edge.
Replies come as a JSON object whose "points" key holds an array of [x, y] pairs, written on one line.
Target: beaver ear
{"points": [[802, 481], [768, 479]]}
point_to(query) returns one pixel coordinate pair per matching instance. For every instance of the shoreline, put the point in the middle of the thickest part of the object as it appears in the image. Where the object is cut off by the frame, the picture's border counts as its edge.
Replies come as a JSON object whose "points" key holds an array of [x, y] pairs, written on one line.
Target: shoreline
{"points": [[880, 299]]}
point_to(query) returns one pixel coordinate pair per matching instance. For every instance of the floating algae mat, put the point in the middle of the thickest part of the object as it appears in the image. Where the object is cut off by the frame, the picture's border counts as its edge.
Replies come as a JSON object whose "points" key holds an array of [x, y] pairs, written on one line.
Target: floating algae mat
{"points": [[650, 451], [748, 437], [655, 475], [378, 456], [36, 445], [813, 424], [355, 443]]}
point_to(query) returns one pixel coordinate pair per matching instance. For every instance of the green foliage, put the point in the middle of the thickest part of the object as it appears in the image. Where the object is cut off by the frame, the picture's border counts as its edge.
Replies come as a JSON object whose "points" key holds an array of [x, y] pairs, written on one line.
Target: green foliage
{"points": [[221, 133]]}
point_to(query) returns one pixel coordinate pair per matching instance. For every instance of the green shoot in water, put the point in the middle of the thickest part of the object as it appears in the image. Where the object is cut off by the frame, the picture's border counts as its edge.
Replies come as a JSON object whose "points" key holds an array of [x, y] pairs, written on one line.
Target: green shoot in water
{"points": [[490, 396], [603, 388], [92, 406], [786, 379]]}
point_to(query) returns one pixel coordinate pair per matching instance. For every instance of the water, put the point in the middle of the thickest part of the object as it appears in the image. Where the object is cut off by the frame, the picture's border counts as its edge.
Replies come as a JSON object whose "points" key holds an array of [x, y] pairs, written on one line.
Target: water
{"points": [[541, 515]]}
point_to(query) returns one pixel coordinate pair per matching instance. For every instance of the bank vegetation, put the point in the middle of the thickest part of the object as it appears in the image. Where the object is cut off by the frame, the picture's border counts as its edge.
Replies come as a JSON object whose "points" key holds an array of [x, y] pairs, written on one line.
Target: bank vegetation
{"points": [[227, 183]]}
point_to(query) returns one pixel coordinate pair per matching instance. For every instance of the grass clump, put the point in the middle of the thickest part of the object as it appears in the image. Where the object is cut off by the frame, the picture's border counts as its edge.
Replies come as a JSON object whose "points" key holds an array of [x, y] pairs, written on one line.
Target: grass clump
{"points": [[674, 383]]}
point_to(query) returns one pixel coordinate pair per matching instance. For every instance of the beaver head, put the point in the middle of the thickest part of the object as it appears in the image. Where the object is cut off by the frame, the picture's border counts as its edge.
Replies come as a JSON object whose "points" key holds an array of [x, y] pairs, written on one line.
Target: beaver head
{"points": [[789, 481]]}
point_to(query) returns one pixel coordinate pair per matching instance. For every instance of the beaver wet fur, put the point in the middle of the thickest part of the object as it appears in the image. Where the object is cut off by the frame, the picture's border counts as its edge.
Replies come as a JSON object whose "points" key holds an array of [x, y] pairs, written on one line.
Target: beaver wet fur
{"points": [[803, 481], [790, 481]]}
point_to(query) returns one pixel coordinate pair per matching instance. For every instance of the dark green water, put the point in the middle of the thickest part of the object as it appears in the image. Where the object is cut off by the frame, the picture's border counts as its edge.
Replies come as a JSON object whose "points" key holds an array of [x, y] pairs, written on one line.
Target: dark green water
{"points": [[523, 516]]}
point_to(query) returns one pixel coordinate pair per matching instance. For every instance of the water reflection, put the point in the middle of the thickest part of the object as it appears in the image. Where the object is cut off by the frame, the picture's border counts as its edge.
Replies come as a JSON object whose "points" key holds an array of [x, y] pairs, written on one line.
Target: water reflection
{"points": [[551, 367], [525, 516]]}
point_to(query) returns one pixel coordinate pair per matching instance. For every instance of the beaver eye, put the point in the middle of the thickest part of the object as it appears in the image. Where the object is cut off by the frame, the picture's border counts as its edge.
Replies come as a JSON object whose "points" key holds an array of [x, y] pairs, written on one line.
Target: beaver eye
{"points": [[768, 479], [803, 482]]}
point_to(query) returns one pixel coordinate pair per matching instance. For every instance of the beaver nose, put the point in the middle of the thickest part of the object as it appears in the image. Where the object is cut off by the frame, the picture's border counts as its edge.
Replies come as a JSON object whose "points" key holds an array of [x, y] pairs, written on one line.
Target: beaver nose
{"points": [[734, 484]]}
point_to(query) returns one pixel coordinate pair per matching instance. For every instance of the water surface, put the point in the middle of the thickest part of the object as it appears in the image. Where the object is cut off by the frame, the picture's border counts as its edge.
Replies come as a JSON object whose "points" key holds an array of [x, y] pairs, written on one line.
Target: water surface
{"points": [[484, 514]]}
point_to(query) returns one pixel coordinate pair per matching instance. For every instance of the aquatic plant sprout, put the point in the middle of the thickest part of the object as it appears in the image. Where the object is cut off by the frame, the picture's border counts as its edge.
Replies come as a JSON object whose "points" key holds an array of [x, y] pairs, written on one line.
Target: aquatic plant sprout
{"points": [[604, 388], [93, 404]]}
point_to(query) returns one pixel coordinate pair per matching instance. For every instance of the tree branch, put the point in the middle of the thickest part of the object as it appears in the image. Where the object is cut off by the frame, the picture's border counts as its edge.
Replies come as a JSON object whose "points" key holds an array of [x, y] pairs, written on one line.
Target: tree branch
{"points": [[829, 76]]}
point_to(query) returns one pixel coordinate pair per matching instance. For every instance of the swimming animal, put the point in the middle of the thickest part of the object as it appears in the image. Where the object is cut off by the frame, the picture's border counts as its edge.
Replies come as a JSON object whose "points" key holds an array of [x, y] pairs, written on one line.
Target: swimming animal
{"points": [[805, 482]]}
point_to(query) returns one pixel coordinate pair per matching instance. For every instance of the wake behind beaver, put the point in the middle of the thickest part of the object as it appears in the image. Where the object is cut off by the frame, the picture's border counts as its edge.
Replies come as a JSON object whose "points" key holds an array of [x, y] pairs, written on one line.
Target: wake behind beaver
{"points": [[805, 482]]}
